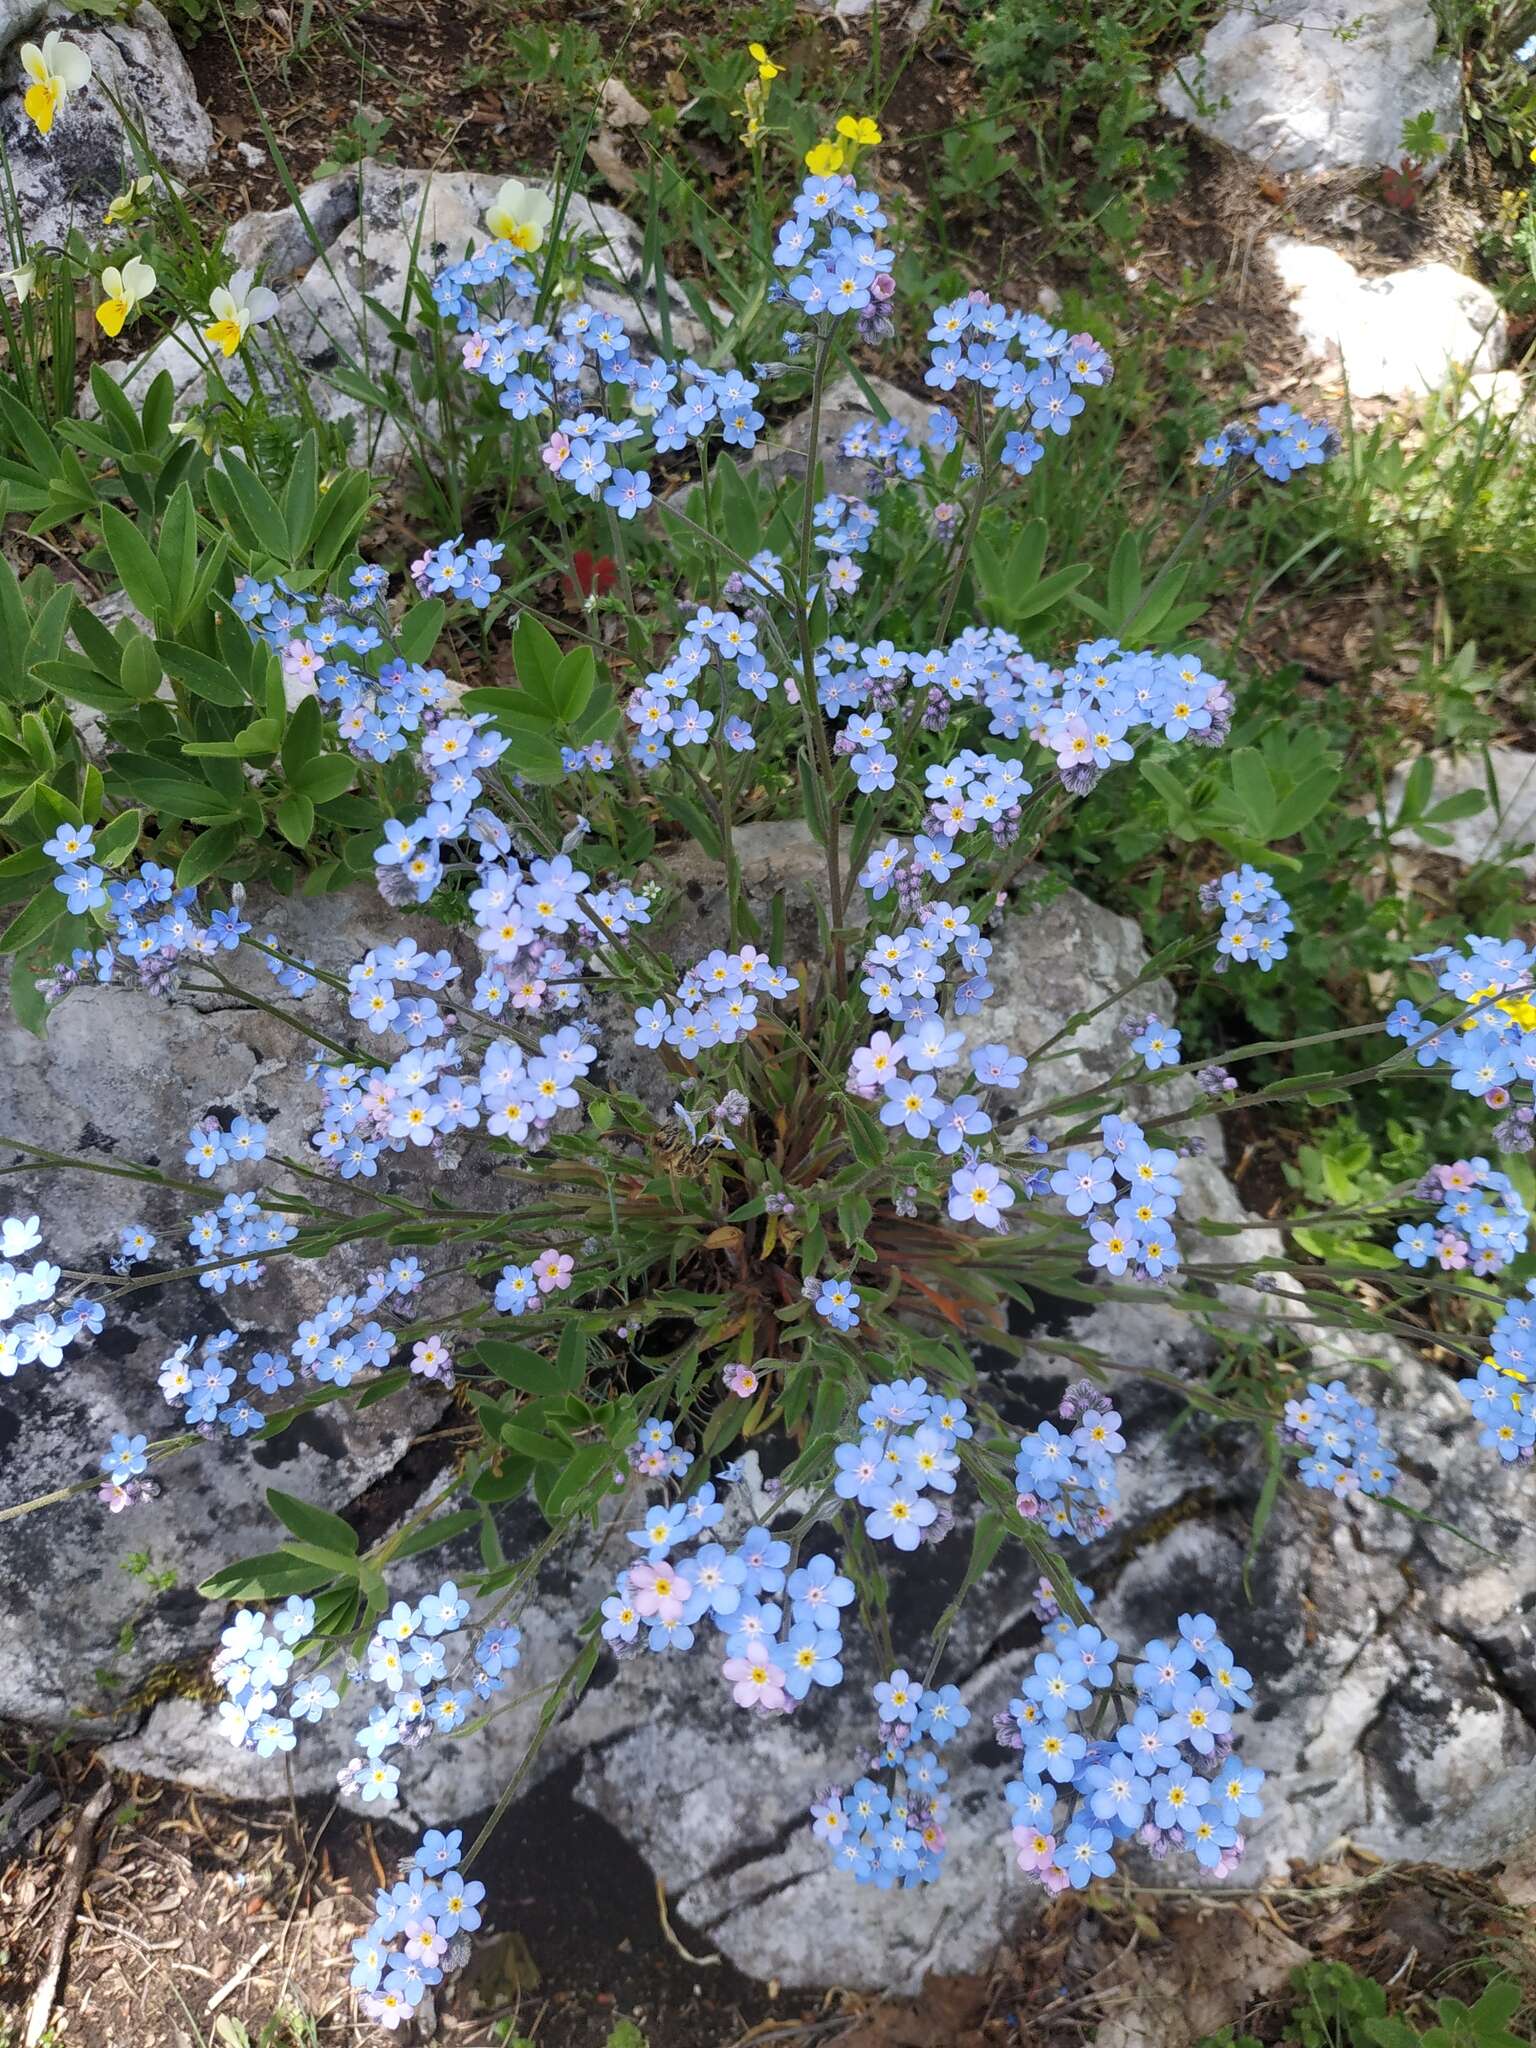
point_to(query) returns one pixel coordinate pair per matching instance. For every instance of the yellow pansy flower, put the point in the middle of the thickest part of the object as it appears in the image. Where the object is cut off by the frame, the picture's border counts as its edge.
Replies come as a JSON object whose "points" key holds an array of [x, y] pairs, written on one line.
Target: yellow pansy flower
{"points": [[126, 290], [519, 214], [56, 70], [860, 129], [234, 308], [824, 159], [766, 68]]}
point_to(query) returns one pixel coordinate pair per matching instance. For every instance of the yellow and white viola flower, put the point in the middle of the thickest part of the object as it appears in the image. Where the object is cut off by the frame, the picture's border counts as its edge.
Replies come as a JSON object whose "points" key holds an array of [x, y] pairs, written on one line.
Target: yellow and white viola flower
{"points": [[125, 290], [235, 308], [56, 70], [519, 214], [125, 204]]}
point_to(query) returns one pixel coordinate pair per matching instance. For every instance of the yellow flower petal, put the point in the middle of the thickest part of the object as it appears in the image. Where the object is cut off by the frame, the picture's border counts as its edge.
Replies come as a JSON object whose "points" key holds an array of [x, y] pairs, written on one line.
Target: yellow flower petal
{"points": [[42, 103], [224, 334], [111, 314]]}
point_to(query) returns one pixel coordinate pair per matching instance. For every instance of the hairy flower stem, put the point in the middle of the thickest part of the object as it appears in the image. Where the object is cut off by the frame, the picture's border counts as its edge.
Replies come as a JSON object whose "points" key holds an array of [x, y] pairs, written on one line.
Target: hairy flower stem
{"points": [[810, 705]]}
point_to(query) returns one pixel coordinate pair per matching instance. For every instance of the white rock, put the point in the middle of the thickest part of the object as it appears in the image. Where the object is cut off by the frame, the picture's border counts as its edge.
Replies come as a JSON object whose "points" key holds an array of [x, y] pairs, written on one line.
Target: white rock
{"points": [[19, 18], [1492, 397], [1392, 336], [1317, 85], [1508, 822], [912, 17], [122, 1075], [843, 404], [1392, 1659], [65, 179], [375, 234]]}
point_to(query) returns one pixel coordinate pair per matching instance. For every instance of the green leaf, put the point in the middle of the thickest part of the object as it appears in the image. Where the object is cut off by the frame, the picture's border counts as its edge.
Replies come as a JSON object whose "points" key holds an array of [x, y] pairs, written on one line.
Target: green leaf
{"points": [[29, 1006], [18, 872], [38, 919], [1124, 579], [1466, 803], [520, 1366], [302, 739], [1254, 790], [81, 685], [45, 641], [343, 509], [302, 495], [244, 501], [208, 852], [204, 674], [15, 626], [572, 1355], [510, 1483], [586, 1467], [431, 1534], [324, 778], [117, 840], [134, 560], [1300, 806], [139, 666], [571, 684], [178, 550], [543, 1450], [114, 405], [421, 629], [295, 816], [694, 820], [1048, 591], [270, 1576], [535, 653], [158, 407], [34, 737], [311, 1524]]}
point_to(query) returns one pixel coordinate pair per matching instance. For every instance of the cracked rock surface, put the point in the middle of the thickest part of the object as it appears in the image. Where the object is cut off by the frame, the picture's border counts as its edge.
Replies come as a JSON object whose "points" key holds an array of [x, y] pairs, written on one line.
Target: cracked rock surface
{"points": [[1396, 1702], [122, 1076], [64, 179]]}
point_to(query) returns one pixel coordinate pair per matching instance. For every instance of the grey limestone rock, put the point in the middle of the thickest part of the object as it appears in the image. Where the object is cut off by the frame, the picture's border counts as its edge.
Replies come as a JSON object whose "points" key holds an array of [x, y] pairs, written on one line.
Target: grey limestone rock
{"points": [[65, 179]]}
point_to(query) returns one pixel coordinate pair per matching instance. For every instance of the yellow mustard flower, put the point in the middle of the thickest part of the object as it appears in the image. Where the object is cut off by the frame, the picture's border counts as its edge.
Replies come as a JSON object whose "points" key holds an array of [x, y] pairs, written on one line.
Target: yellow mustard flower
{"points": [[126, 290], [824, 159], [766, 68], [859, 128], [56, 70]]}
